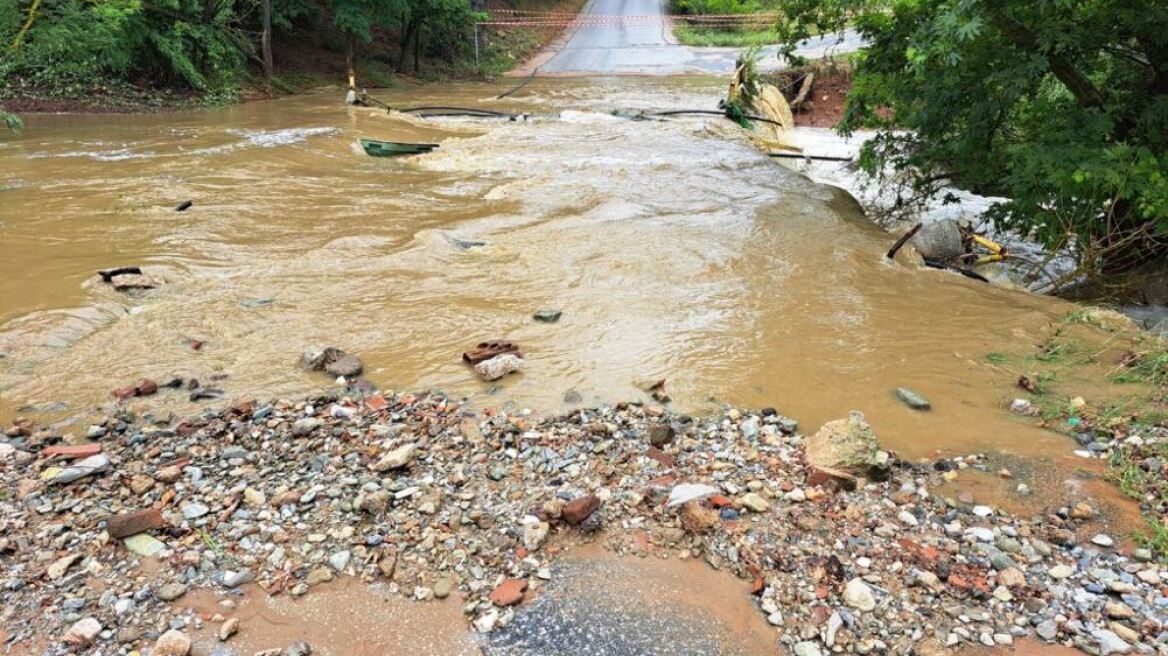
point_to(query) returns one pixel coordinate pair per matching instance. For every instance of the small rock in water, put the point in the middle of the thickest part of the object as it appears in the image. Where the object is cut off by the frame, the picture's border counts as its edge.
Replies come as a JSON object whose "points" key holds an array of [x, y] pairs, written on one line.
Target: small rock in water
{"points": [[331, 360], [499, 366], [912, 399], [547, 316], [345, 365], [130, 282]]}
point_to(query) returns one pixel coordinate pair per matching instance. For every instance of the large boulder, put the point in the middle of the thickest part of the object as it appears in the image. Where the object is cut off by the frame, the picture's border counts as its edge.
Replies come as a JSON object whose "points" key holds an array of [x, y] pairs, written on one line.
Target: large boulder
{"points": [[848, 447], [331, 360], [939, 240]]}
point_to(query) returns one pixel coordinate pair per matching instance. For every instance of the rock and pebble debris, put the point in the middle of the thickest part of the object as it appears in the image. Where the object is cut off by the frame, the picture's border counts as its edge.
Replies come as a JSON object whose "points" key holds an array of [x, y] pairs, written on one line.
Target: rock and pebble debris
{"points": [[499, 366], [331, 360], [430, 499], [495, 359]]}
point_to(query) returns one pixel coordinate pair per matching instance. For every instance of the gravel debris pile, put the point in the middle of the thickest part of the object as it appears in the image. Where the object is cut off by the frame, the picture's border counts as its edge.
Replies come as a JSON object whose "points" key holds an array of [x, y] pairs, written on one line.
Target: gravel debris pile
{"points": [[433, 500]]}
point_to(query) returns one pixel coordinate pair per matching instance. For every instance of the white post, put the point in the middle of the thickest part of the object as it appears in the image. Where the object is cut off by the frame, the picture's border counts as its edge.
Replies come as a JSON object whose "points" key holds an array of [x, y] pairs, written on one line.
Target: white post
{"points": [[476, 30]]}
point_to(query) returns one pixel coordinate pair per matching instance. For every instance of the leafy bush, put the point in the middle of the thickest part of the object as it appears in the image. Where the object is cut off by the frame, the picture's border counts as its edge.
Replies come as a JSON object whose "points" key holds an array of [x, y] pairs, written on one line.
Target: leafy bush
{"points": [[200, 45], [702, 7], [1061, 107]]}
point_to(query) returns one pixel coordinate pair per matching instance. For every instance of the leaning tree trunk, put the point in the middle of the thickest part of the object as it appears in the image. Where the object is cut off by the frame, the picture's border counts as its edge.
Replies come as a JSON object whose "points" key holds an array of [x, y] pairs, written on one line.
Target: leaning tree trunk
{"points": [[418, 50], [410, 38], [349, 63], [266, 40]]}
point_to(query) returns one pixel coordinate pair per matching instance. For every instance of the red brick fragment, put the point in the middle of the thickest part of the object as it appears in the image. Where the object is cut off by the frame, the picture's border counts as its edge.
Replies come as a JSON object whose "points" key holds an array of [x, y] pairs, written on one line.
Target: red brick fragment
{"points": [[577, 510], [660, 456], [509, 592], [132, 523], [719, 501], [72, 450]]}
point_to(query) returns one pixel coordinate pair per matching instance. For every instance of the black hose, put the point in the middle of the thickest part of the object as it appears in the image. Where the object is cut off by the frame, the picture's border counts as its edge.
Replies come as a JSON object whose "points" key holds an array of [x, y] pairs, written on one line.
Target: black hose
{"points": [[466, 110], [938, 264], [904, 240], [475, 114], [820, 158], [518, 86], [712, 112]]}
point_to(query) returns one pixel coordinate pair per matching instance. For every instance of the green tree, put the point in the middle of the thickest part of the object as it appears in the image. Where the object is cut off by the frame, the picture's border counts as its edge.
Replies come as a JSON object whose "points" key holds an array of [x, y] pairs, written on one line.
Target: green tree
{"points": [[12, 122], [1060, 106]]}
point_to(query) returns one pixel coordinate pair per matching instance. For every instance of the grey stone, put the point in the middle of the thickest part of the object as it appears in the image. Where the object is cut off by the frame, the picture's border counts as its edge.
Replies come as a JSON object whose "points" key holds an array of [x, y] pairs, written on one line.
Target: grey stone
{"points": [[912, 399], [171, 591]]}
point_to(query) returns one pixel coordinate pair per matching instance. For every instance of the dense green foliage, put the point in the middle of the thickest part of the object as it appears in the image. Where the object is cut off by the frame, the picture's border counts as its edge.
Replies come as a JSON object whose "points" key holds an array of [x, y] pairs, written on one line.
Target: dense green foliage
{"points": [[12, 122], [1061, 106], [206, 46], [743, 33], [704, 7]]}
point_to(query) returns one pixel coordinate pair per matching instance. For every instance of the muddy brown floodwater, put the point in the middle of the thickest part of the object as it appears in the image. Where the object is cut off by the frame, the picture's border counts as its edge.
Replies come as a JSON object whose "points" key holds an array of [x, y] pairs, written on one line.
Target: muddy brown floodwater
{"points": [[673, 249]]}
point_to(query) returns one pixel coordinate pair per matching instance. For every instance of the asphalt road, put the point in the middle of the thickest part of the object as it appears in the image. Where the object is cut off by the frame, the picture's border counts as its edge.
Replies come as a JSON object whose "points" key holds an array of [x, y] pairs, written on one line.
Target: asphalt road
{"points": [[633, 37]]}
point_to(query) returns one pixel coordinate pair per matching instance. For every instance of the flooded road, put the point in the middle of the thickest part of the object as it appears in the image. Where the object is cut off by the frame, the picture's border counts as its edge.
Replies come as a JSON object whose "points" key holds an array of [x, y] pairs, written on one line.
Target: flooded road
{"points": [[673, 249]]}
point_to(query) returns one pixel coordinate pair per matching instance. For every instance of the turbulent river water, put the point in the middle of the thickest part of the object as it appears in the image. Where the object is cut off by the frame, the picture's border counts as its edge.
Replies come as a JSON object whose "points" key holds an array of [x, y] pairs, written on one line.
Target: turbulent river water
{"points": [[674, 250]]}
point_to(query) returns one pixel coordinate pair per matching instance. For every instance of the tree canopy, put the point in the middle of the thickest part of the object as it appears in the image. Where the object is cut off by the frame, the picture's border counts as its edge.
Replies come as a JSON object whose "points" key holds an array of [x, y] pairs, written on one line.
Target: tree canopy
{"points": [[203, 45], [1060, 106]]}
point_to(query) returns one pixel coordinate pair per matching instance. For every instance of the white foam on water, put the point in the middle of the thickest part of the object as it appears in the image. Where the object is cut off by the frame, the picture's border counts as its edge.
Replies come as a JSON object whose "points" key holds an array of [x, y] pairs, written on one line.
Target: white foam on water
{"points": [[117, 155], [266, 139], [273, 138]]}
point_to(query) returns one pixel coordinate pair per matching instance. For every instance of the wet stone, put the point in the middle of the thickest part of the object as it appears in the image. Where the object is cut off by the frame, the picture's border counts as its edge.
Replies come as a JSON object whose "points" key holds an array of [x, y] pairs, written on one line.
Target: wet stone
{"points": [[912, 399]]}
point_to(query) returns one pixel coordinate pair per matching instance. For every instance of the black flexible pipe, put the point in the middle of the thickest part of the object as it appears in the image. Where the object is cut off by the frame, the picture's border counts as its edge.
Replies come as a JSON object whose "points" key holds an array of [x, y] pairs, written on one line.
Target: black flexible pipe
{"points": [[821, 158], [938, 264], [518, 86], [475, 114], [712, 112], [468, 110]]}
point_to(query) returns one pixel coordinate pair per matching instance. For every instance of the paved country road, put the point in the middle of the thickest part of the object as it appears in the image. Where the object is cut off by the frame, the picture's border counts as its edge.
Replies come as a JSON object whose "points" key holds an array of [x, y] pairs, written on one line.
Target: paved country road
{"points": [[642, 43]]}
